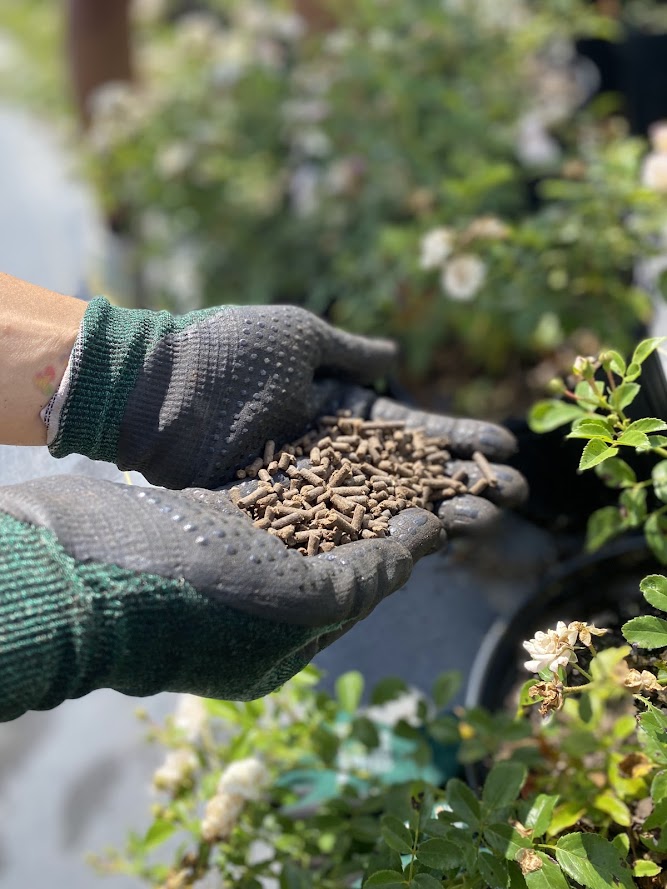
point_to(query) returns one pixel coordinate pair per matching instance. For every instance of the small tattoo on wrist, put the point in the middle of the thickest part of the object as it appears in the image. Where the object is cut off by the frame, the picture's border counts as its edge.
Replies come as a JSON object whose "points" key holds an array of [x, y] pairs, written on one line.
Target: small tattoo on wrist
{"points": [[45, 380]]}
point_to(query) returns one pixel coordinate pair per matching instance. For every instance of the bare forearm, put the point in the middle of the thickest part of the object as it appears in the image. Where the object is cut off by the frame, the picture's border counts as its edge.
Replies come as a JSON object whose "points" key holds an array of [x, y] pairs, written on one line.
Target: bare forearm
{"points": [[37, 331]]}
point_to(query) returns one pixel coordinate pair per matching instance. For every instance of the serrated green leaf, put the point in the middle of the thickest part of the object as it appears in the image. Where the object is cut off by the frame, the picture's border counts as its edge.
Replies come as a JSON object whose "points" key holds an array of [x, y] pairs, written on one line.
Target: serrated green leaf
{"points": [[439, 854], [643, 868], [539, 814], [652, 732], [659, 787], [463, 802], [647, 424], [659, 479], [505, 840], [633, 370], [503, 784], [492, 870], [646, 631], [621, 843], [550, 414], [603, 525], [595, 452], [633, 438], [614, 807], [654, 588], [658, 441], [584, 391], [390, 879], [592, 861], [157, 833], [549, 876], [388, 690], [445, 687], [655, 531], [396, 835], [349, 689], [645, 348], [592, 427], [425, 881], [624, 395], [616, 473]]}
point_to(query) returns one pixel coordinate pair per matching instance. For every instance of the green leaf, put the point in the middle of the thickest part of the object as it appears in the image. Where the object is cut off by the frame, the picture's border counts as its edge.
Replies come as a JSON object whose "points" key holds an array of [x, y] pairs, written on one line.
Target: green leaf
{"points": [[659, 787], [382, 858], [388, 690], [539, 814], [658, 441], [603, 525], [549, 876], [506, 841], [550, 414], [592, 427], [657, 818], [653, 732], [592, 861], [615, 361], [463, 802], [445, 687], [654, 588], [565, 815], [439, 854], [157, 833], [655, 531], [642, 868], [614, 807], [633, 370], [493, 870], [396, 835], [621, 843], [365, 731], [633, 502], [647, 424], [616, 473], [503, 784], [349, 689], [294, 877], [390, 879], [426, 881], [445, 729], [659, 479], [595, 452], [634, 438], [624, 395], [646, 631], [645, 348]]}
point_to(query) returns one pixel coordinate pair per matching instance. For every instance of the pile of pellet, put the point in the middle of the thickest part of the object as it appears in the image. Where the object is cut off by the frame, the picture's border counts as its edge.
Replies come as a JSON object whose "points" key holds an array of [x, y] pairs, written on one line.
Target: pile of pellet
{"points": [[360, 473]]}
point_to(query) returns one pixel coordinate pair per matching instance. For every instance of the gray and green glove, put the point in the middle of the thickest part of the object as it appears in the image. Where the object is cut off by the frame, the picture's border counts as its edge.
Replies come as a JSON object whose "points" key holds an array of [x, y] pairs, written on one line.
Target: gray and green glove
{"points": [[145, 590], [188, 400]]}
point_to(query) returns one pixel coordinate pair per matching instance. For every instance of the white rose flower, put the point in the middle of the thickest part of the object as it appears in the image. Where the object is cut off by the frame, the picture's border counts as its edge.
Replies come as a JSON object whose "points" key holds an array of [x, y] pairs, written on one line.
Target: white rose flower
{"points": [[177, 767], [245, 778], [435, 246], [654, 172], [552, 649], [221, 814], [463, 276], [657, 135], [190, 716]]}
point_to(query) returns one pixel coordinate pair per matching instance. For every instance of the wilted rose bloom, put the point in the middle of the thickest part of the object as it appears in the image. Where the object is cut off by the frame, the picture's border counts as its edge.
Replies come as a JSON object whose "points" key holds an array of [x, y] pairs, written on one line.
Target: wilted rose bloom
{"points": [[487, 227], [220, 816], [654, 172], [190, 716], [644, 681], [436, 245], [585, 630], [551, 694], [463, 276], [246, 778], [177, 767], [657, 135], [552, 649]]}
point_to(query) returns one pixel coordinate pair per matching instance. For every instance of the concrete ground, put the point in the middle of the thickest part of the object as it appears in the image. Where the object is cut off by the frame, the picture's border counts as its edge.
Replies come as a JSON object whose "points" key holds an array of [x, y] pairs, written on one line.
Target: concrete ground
{"points": [[75, 779]]}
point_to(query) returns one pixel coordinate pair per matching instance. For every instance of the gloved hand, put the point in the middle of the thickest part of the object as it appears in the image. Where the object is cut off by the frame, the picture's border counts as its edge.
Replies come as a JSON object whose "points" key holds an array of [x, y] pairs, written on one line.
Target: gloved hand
{"points": [[187, 401], [145, 590]]}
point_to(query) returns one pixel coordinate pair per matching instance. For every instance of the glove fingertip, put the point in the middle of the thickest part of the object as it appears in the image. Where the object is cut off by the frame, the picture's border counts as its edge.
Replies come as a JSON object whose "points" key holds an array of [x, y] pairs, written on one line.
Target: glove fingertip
{"points": [[418, 530]]}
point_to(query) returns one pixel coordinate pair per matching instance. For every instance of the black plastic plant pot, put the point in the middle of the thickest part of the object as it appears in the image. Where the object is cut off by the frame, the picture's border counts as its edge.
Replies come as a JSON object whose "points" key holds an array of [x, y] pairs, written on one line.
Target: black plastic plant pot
{"points": [[602, 588]]}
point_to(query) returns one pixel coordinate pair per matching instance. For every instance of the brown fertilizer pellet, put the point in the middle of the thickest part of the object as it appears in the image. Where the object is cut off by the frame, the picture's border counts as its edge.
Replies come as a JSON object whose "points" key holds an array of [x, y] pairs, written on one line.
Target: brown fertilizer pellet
{"points": [[361, 473]]}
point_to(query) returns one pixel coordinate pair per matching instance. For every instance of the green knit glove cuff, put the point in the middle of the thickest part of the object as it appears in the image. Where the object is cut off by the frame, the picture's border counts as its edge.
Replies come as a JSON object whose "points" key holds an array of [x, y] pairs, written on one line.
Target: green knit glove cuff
{"points": [[68, 627], [85, 415]]}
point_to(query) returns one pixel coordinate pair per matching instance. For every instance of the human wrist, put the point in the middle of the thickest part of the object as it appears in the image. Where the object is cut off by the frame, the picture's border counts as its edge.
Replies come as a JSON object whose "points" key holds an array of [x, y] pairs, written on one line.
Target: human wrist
{"points": [[38, 328]]}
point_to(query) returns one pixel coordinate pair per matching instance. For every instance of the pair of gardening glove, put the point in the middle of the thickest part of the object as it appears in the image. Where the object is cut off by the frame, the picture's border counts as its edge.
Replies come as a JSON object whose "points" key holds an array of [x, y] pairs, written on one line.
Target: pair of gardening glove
{"points": [[173, 588]]}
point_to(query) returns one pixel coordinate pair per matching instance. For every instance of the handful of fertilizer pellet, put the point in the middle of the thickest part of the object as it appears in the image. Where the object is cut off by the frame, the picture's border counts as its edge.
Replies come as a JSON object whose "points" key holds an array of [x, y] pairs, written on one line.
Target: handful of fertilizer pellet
{"points": [[360, 473]]}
